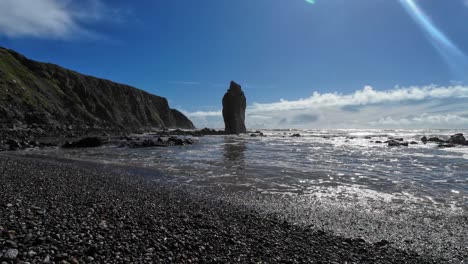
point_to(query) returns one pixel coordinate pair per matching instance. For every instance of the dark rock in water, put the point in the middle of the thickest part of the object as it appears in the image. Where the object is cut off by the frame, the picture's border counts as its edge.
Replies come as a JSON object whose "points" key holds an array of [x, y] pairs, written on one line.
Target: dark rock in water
{"points": [[378, 142], [435, 139], [458, 139], [207, 131], [397, 143], [146, 143], [89, 142], [257, 133], [414, 143], [234, 104], [188, 141], [446, 145], [296, 135], [176, 141], [424, 139]]}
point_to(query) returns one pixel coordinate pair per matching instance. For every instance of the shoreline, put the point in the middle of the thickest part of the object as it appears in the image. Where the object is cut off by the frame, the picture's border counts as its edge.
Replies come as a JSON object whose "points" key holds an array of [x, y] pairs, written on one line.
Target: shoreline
{"points": [[61, 211]]}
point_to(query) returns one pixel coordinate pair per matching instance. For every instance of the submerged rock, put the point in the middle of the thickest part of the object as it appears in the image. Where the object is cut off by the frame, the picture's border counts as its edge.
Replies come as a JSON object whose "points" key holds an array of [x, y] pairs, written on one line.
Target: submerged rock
{"points": [[88, 142], [397, 143], [436, 139], [234, 104]]}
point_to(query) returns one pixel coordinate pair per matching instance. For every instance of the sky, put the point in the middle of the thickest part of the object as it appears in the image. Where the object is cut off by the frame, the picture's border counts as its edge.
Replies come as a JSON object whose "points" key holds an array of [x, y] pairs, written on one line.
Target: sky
{"points": [[301, 63]]}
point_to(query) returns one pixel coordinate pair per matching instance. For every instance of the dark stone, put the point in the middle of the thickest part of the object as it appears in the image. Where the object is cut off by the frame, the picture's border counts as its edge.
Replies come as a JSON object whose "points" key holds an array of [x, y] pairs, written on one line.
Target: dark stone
{"points": [[435, 139], [13, 144], [414, 143], [89, 142], [11, 254], [424, 139], [234, 105], [397, 143], [296, 135], [176, 141], [446, 145], [458, 139]]}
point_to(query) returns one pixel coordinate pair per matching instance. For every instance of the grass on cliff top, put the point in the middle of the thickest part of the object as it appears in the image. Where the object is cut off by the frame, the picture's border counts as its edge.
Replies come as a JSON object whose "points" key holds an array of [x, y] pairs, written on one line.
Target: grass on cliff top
{"points": [[21, 83]]}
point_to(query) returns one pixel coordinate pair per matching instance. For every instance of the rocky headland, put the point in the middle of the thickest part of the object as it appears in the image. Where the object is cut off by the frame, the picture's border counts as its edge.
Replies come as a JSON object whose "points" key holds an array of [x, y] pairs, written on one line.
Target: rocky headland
{"points": [[42, 99]]}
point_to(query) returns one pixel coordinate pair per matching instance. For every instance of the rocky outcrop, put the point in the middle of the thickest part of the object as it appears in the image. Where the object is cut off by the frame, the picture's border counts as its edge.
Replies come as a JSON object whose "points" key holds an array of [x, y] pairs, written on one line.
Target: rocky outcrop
{"points": [[234, 104], [454, 140], [48, 99], [457, 139]]}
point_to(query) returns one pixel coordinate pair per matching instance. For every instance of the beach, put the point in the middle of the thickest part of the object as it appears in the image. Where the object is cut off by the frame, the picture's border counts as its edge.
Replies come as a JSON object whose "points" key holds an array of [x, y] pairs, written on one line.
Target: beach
{"points": [[70, 212]]}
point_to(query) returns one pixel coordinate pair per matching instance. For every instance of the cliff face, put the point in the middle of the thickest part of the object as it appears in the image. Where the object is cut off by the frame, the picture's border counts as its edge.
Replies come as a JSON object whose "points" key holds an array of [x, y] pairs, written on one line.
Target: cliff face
{"points": [[51, 98]]}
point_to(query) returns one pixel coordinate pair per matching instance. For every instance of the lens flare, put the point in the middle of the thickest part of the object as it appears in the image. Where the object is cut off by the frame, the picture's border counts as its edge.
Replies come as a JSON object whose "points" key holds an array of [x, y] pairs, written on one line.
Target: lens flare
{"points": [[454, 57], [310, 1]]}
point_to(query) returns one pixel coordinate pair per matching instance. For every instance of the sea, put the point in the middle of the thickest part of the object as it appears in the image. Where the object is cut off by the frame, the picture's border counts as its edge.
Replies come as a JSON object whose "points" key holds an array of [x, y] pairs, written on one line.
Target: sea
{"points": [[338, 180]]}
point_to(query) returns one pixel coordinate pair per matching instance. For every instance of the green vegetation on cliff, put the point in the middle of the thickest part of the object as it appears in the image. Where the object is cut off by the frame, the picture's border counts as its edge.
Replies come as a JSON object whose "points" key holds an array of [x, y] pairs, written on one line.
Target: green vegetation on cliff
{"points": [[35, 94]]}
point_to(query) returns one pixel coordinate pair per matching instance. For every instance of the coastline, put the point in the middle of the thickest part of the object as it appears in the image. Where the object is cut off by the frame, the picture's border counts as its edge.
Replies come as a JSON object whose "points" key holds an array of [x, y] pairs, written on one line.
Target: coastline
{"points": [[61, 211]]}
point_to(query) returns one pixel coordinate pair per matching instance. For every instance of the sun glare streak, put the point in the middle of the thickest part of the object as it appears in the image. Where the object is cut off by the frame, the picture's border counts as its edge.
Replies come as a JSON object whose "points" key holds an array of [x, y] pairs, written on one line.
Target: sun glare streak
{"points": [[310, 1], [454, 57]]}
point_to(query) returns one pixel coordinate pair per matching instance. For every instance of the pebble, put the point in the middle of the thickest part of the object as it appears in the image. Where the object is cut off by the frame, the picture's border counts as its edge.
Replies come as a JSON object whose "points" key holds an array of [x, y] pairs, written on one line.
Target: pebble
{"points": [[11, 254]]}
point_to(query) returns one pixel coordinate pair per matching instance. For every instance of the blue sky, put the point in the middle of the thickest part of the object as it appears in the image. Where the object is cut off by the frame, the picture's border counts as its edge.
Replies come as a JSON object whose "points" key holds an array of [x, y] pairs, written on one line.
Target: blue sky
{"points": [[383, 63]]}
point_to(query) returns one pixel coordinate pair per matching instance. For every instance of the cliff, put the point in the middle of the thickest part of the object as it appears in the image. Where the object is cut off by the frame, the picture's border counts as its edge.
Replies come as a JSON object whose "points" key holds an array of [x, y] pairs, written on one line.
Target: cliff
{"points": [[49, 99]]}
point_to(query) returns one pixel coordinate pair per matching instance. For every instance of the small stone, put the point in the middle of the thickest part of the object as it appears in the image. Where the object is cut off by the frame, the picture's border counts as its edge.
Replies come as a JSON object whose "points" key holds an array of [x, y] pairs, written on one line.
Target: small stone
{"points": [[27, 238], [8, 205], [11, 254], [46, 259], [32, 253], [11, 244]]}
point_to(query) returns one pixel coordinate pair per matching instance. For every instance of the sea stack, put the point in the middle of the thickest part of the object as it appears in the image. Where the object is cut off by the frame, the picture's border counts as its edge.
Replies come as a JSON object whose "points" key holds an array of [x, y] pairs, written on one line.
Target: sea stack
{"points": [[234, 104]]}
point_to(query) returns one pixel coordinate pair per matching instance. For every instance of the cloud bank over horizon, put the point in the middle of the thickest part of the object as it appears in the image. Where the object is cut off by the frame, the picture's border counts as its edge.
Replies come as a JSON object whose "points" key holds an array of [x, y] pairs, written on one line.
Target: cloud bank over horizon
{"points": [[56, 19], [402, 107]]}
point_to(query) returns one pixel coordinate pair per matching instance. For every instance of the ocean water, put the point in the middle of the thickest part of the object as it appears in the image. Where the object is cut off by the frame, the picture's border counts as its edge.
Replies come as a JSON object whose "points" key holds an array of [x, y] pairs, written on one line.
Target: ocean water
{"points": [[343, 164]]}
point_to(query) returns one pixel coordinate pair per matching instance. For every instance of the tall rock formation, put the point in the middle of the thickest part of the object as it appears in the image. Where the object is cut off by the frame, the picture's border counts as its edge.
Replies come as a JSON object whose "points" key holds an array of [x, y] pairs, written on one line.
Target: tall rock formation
{"points": [[49, 99], [234, 104]]}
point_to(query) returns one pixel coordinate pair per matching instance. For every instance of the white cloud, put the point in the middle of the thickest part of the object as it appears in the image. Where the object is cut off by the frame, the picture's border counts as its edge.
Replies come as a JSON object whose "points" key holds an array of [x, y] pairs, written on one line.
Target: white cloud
{"points": [[411, 107], [48, 18], [366, 96], [423, 120], [205, 114], [466, 2]]}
